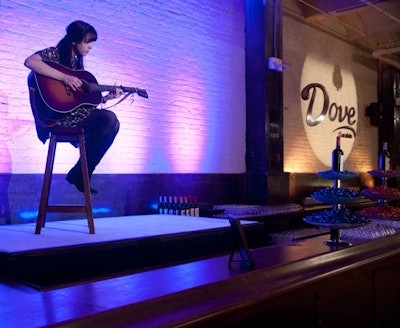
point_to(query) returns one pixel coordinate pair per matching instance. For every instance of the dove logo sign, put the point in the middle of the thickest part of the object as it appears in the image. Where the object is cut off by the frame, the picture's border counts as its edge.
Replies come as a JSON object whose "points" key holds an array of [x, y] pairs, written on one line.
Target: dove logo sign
{"points": [[329, 107]]}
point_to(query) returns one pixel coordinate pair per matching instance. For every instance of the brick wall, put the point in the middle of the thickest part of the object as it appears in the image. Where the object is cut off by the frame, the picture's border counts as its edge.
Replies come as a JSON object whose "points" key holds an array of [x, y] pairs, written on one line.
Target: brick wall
{"points": [[188, 55], [301, 40]]}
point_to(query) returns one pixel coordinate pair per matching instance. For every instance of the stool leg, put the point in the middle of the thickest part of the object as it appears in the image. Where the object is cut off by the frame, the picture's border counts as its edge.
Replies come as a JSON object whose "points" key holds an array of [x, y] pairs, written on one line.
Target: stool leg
{"points": [[86, 183], [44, 198]]}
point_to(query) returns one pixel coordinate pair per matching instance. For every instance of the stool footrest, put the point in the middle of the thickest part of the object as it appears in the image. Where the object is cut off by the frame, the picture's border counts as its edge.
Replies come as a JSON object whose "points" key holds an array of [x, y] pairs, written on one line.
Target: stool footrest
{"points": [[66, 208]]}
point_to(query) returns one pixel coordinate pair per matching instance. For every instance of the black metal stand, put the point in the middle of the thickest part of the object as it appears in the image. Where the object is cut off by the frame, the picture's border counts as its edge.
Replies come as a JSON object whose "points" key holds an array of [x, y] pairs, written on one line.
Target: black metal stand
{"points": [[336, 233], [240, 244], [335, 240]]}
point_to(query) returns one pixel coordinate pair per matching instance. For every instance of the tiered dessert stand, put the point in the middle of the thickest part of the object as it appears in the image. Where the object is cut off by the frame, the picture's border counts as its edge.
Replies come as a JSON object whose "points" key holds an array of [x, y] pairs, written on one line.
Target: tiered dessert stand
{"points": [[338, 217]]}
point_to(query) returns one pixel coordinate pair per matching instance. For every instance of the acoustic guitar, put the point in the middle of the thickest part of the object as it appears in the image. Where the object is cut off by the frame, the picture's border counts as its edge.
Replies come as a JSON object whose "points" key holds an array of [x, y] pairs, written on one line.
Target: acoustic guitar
{"points": [[61, 99]]}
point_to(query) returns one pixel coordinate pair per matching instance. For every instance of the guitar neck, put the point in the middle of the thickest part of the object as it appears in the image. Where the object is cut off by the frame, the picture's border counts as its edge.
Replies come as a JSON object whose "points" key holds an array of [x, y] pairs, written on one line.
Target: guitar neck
{"points": [[102, 87]]}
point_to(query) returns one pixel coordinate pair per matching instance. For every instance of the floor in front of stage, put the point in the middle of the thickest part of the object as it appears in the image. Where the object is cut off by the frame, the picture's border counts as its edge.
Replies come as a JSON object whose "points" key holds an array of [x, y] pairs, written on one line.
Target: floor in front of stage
{"points": [[65, 272]]}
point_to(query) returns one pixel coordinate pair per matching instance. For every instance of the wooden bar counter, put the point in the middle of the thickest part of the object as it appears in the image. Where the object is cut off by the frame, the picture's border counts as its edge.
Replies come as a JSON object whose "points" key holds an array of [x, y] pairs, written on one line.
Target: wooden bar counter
{"points": [[297, 284]]}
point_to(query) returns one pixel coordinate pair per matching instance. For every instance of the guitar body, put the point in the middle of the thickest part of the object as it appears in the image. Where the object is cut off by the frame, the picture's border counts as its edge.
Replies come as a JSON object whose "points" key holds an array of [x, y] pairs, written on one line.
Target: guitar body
{"points": [[57, 97], [52, 100]]}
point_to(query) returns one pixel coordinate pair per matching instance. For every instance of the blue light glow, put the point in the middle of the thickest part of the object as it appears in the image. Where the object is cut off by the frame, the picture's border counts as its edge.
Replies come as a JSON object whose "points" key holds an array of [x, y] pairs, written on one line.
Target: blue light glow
{"points": [[32, 215]]}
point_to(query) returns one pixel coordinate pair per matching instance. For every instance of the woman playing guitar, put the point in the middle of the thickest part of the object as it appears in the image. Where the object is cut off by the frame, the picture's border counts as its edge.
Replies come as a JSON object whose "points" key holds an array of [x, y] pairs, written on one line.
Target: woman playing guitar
{"points": [[100, 125]]}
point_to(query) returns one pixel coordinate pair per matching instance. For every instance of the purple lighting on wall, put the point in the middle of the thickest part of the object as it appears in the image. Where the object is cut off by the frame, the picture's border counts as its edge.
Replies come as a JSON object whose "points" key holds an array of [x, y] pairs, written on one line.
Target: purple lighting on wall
{"points": [[189, 58]]}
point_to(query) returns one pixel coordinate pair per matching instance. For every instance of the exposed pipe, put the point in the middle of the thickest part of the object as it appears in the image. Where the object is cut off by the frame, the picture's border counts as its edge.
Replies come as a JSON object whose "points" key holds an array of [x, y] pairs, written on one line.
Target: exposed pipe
{"points": [[382, 52], [381, 11], [378, 54], [333, 17]]}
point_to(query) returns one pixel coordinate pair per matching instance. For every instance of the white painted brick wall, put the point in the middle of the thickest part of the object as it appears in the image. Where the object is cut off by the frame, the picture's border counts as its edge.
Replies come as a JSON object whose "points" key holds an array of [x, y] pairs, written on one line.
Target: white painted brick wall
{"points": [[188, 55]]}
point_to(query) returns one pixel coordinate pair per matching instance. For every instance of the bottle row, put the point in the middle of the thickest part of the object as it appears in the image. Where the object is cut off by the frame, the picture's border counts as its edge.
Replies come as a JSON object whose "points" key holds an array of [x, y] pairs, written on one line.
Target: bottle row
{"points": [[178, 205], [338, 156]]}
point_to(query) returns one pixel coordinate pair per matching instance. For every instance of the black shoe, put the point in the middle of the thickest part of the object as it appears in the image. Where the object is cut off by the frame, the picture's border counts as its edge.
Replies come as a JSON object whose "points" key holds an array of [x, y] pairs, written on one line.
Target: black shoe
{"points": [[72, 178]]}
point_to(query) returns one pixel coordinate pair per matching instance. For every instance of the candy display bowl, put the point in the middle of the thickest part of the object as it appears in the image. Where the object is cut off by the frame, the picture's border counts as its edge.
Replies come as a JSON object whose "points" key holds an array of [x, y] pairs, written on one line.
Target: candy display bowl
{"points": [[337, 196], [337, 219], [337, 175], [386, 212], [337, 225], [385, 174]]}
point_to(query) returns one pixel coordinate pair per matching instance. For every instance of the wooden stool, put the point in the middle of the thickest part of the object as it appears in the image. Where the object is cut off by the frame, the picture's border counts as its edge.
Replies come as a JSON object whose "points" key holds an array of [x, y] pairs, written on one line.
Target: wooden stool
{"points": [[64, 135]]}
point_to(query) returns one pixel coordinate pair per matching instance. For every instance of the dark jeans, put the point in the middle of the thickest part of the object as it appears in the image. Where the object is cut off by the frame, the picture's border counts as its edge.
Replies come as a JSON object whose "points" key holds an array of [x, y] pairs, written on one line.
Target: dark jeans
{"points": [[101, 127]]}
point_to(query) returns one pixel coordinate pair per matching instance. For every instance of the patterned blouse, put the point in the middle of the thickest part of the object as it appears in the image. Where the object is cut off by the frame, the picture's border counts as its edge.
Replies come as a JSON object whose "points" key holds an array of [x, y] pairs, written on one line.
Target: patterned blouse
{"points": [[75, 117]]}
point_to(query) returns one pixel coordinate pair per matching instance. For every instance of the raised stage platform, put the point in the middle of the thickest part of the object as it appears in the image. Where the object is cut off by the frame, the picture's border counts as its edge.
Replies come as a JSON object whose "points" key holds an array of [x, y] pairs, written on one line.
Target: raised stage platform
{"points": [[65, 253]]}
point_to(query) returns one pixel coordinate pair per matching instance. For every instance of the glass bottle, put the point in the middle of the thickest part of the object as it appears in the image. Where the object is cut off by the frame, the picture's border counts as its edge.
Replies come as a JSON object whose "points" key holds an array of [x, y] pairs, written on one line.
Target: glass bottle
{"points": [[384, 158], [337, 157]]}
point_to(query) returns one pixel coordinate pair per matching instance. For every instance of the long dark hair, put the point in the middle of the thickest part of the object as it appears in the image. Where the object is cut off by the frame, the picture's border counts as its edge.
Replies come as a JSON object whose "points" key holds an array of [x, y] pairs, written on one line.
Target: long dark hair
{"points": [[77, 31]]}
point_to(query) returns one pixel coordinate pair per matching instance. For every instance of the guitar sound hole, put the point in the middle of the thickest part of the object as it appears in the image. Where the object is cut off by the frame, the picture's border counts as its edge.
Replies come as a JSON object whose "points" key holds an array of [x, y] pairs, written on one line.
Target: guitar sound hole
{"points": [[85, 86], [68, 89]]}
